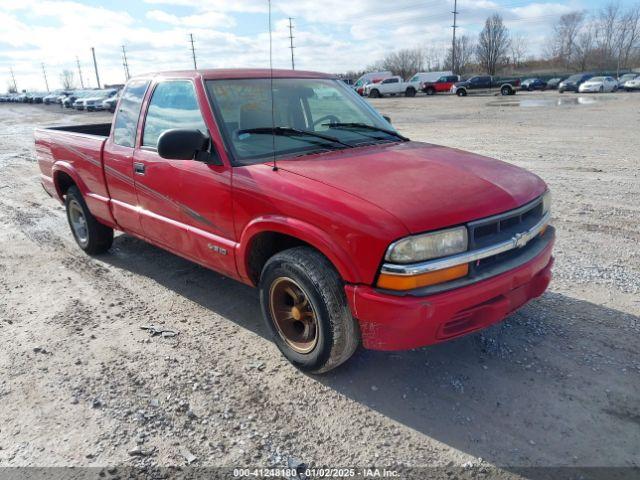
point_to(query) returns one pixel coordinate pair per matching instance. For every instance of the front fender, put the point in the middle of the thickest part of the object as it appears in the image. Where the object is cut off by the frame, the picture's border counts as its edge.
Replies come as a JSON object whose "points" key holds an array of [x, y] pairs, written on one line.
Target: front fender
{"points": [[304, 231]]}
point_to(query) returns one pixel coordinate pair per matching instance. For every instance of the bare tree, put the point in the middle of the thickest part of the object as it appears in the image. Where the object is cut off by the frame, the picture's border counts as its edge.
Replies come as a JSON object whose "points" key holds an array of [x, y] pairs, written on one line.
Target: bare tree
{"points": [[584, 47], [565, 36], [628, 38], [67, 80], [432, 59], [404, 62], [607, 24], [493, 44], [518, 50], [464, 55], [11, 88]]}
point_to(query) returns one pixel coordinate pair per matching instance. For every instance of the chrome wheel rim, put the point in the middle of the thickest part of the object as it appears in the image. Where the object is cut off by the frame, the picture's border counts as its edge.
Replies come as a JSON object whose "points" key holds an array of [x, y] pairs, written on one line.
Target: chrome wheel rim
{"points": [[293, 315], [78, 222]]}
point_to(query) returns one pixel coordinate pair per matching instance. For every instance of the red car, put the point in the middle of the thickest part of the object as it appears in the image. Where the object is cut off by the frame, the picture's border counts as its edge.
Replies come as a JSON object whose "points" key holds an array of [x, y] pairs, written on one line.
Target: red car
{"points": [[442, 85], [294, 184]]}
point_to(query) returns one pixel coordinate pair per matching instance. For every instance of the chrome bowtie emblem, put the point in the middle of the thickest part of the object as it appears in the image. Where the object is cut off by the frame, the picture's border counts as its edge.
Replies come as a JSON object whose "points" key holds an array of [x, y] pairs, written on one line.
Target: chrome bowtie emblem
{"points": [[519, 240]]}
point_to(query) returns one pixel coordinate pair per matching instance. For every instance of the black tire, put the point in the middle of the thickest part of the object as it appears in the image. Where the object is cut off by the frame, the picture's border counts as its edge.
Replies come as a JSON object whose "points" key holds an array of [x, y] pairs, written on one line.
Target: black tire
{"points": [[505, 91], [374, 93], [99, 237], [338, 335], [430, 91], [410, 92], [461, 92]]}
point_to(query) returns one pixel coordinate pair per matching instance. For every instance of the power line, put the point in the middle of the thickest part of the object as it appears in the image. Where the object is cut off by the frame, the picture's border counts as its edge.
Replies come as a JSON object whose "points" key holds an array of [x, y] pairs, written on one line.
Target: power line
{"points": [[193, 52], [95, 65], [125, 64], [453, 40], [293, 65], [44, 72], [79, 72]]}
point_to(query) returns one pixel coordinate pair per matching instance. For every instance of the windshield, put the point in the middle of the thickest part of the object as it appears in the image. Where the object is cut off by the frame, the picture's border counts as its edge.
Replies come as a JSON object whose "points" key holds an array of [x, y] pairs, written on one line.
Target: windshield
{"points": [[320, 106], [597, 79]]}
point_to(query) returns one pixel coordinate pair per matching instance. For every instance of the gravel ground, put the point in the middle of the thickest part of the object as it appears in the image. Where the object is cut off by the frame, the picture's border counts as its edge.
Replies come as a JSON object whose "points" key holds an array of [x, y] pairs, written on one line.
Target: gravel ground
{"points": [[556, 384]]}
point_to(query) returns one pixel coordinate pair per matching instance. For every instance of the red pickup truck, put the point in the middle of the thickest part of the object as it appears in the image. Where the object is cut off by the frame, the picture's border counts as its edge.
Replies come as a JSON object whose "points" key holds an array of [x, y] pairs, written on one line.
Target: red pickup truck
{"points": [[294, 184]]}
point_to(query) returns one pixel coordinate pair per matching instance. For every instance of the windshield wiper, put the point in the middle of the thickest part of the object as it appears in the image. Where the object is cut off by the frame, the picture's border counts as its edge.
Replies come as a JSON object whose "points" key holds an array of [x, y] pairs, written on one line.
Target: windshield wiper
{"points": [[292, 132], [365, 127]]}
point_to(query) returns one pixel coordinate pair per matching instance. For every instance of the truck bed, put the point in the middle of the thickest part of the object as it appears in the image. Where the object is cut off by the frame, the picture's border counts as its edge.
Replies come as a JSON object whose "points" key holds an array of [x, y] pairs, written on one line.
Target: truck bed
{"points": [[97, 129], [75, 151]]}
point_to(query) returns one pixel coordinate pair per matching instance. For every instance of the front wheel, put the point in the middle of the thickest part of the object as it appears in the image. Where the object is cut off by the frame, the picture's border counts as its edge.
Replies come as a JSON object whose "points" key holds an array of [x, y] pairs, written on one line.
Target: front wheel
{"points": [[410, 92], [374, 94], [430, 91], [461, 92], [91, 236], [305, 308]]}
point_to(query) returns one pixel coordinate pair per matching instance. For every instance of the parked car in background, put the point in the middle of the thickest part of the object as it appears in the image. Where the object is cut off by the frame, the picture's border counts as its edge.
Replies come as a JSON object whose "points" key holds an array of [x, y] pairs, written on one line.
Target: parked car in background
{"points": [[371, 77], [51, 97], [632, 85], [414, 84], [553, 83], [599, 85], [68, 100], [447, 243], [389, 86], [486, 84], [572, 84], [531, 84], [111, 102], [442, 84], [625, 78], [94, 101]]}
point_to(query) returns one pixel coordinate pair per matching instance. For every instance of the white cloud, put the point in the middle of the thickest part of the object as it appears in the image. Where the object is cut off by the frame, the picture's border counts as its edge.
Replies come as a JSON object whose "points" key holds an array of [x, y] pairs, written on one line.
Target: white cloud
{"points": [[207, 19]]}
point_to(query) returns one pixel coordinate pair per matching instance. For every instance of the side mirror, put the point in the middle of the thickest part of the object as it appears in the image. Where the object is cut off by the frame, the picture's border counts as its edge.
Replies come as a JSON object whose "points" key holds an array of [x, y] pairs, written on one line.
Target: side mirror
{"points": [[184, 144], [387, 118]]}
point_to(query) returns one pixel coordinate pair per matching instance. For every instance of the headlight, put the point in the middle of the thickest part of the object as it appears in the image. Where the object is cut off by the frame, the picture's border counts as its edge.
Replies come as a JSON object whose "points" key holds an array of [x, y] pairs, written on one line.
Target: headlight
{"points": [[546, 202], [429, 245]]}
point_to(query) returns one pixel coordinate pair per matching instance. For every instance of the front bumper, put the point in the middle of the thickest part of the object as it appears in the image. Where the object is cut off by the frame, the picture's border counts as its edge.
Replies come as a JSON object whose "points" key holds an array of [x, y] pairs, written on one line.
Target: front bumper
{"points": [[392, 322]]}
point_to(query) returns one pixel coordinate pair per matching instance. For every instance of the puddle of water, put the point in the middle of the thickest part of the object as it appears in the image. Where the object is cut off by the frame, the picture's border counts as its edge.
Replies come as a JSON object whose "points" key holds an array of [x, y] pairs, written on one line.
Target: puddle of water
{"points": [[547, 102]]}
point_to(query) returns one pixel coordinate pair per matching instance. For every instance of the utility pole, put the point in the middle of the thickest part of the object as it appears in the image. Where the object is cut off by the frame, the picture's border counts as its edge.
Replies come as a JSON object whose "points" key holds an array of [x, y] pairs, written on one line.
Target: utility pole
{"points": [[15, 86], [95, 65], [193, 52], [79, 72], [125, 64], [44, 72], [293, 65], [453, 41]]}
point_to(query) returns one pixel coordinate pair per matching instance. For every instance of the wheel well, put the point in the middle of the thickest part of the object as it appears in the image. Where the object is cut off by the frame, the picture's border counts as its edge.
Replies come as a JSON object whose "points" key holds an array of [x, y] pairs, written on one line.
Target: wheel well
{"points": [[63, 181], [264, 246]]}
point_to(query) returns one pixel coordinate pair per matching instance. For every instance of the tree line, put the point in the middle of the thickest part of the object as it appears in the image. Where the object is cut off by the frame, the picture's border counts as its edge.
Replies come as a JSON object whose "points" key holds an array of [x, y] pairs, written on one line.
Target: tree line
{"points": [[608, 39]]}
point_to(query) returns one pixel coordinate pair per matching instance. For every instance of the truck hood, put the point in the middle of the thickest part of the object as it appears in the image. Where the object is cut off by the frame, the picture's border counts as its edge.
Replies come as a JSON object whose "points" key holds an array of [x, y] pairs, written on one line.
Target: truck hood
{"points": [[424, 186]]}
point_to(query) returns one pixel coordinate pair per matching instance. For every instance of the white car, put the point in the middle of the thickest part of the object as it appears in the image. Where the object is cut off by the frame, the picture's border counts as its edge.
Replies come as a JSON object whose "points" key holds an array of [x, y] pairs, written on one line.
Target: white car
{"points": [[634, 84], [599, 85], [94, 102]]}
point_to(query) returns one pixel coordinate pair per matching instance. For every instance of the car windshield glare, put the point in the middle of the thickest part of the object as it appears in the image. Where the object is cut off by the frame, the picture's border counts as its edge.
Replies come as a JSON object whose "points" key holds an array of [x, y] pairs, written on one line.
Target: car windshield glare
{"points": [[243, 109]]}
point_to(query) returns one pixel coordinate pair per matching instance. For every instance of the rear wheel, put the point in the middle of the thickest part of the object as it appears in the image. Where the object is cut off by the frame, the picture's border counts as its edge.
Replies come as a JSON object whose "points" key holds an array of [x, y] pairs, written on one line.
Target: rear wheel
{"points": [[430, 91], [461, 92], [305, 308], [505, 90], [91, 236]]}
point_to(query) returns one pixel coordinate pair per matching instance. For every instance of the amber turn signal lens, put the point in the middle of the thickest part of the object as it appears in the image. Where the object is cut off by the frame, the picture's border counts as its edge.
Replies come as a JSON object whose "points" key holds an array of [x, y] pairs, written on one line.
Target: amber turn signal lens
{"points": [[544, 229], [409, 282]]}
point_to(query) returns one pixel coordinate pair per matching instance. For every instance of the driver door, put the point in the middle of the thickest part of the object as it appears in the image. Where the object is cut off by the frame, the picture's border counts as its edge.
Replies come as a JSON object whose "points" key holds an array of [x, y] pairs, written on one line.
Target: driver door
{"points": [[185, 204]]}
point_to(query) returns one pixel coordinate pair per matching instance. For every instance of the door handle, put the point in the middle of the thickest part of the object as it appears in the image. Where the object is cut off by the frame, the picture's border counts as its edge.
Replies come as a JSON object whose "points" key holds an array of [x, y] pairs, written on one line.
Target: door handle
{"points": [[138, 168]]}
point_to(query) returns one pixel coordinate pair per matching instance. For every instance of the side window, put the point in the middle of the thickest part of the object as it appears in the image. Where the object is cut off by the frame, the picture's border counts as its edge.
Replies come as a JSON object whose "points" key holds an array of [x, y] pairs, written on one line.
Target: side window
{"points": [[126, 123], [173, 105]]}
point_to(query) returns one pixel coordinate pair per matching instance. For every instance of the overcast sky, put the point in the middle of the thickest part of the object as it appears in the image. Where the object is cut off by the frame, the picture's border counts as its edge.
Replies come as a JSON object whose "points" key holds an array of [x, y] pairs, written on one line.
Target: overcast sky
{"points": [[330, 35]]}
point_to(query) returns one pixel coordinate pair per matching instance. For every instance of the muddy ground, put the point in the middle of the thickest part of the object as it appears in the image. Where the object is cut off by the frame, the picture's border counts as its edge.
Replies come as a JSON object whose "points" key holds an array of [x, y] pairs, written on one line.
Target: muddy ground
{"points": [[557, 384]]}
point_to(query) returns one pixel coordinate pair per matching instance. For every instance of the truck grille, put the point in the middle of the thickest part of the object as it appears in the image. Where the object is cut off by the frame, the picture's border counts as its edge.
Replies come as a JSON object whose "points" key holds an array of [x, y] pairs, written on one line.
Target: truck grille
{"points": [[499, 228]]}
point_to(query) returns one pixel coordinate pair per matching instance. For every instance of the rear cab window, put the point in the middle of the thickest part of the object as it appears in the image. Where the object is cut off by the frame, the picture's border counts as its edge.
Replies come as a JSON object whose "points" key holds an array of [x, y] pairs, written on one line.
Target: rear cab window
{"points": [[125, 125]]}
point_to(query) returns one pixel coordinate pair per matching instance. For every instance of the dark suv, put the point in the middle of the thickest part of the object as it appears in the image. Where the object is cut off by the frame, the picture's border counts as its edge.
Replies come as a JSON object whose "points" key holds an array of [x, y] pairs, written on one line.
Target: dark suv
{"points": [[572, 83]]}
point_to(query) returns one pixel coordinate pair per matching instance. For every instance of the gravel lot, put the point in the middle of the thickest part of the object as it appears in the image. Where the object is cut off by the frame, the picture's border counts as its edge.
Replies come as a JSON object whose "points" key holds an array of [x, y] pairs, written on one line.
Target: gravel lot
{"points": [[555, 385]]}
